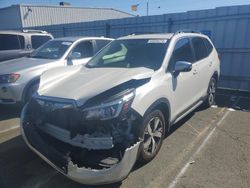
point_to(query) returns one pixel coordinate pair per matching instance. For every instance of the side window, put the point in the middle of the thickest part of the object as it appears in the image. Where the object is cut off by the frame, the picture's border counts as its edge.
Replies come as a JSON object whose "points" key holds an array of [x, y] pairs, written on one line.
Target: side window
{"points": [[200, 49], [37, 40], [101, 43], [9, 42], [181, 52], [85, 49], [208, 45]]}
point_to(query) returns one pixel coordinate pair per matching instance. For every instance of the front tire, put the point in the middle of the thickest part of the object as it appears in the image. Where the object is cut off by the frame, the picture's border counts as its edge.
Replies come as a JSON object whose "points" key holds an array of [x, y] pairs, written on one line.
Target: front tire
{"points": [[211, 93], [153, 134]]}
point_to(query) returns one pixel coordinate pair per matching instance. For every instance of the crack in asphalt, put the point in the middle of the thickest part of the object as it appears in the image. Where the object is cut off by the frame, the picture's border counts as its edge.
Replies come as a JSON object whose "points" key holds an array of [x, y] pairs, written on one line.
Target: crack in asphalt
{"points": [[196, 131], [235, 138]]}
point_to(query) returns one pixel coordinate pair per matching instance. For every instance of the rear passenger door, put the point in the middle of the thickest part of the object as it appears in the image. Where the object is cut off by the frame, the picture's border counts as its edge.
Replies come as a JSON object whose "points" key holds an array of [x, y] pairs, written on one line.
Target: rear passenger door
{"points": [[202, 63]]}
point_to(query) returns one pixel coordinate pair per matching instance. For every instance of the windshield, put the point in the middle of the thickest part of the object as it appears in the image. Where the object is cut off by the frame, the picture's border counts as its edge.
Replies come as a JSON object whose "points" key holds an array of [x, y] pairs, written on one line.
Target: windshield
{"points": [[131, 53], [53, 49]]}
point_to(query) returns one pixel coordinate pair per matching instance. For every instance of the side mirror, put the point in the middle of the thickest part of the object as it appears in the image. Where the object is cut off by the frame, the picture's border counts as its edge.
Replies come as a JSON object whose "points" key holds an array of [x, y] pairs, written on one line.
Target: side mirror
{"points": [[75, 55], [182, 66]]}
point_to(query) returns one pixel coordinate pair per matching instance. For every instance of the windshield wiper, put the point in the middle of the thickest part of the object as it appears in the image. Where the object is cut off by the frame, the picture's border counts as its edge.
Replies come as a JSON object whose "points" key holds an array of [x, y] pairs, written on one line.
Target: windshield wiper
{"points": [[40, 57], [91, 66]]}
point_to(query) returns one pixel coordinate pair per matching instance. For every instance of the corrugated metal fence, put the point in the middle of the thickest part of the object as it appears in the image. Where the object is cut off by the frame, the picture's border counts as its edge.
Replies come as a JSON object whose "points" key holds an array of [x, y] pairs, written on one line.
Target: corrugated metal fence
{"points": [[228, 27]]}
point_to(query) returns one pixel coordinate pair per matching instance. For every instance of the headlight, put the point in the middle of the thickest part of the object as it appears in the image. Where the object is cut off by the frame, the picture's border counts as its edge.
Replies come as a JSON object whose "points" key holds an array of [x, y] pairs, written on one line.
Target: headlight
{"points": [[9, 78], [111, 109]]}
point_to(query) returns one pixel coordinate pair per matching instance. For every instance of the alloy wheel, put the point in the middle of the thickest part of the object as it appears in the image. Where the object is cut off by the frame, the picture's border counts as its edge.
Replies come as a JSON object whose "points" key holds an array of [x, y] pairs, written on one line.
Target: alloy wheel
{"points": [[152, 135], [211, 92]]}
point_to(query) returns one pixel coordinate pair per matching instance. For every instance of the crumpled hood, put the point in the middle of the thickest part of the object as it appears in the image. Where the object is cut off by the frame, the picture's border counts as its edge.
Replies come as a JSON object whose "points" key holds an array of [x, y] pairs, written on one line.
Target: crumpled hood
{"points": [[80, 83], [20, 64]]}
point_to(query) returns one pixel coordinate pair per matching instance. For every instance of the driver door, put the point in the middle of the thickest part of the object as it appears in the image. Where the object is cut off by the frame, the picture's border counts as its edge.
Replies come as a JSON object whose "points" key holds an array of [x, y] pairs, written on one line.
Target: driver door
{"points": [[85, 52]]}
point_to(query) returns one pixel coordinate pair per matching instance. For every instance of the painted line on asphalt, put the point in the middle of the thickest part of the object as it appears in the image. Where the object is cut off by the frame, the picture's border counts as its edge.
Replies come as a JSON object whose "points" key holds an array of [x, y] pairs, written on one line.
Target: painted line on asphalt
{"points": [[197, 132], [191, 145], [187, 165], [10, 129]]}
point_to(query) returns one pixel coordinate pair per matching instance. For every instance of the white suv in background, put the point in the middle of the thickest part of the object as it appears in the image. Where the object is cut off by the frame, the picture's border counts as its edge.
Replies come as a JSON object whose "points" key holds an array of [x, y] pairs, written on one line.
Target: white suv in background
{"points": [[93, 122], [15, 44]]}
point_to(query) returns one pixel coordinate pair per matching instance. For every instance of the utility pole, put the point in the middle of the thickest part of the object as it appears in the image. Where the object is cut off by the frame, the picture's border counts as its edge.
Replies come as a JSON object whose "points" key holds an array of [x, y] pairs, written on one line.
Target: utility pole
{"points": [[147, 8]]}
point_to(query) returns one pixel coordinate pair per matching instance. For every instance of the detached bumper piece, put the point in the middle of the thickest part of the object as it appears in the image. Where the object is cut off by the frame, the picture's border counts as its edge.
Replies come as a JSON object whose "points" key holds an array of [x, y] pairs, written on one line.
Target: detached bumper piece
{"points": [[98, 161], [115, 173]]}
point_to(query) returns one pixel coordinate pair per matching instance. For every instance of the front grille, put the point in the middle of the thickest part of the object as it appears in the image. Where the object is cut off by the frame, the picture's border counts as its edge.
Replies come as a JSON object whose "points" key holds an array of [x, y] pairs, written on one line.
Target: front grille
{"points": [[58, 113], [65, 116]]}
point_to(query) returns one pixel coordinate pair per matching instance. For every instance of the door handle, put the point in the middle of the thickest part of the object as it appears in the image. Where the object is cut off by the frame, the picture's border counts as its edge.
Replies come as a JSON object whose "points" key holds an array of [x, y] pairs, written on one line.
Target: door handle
{"points": [[195, 72]]}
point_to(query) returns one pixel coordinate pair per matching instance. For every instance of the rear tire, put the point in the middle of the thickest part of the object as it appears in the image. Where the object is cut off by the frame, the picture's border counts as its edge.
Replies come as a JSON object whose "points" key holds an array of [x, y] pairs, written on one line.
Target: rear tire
{"points": [[153, 134], [211, 93]]}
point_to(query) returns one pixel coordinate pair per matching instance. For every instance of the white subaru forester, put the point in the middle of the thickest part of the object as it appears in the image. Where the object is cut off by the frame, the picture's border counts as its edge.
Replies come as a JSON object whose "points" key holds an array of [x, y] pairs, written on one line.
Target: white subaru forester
{"points": [[93, 122]]}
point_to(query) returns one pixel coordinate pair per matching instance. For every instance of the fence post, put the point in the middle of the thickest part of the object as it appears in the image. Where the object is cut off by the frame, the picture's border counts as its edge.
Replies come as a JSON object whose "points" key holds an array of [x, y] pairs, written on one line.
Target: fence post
{"points": [[107, 28], [63, 31], [170, 23]]}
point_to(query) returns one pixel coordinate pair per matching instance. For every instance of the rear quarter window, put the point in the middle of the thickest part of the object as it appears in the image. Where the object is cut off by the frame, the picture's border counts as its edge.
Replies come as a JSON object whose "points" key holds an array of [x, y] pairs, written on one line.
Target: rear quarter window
{"points": [[11, 42], [208, 45], [37, 40]]}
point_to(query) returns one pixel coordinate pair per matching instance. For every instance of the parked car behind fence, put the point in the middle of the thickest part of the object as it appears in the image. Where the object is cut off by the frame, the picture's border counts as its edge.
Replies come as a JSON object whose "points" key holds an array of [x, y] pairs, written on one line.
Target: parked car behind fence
{"points": [[15, 44]]}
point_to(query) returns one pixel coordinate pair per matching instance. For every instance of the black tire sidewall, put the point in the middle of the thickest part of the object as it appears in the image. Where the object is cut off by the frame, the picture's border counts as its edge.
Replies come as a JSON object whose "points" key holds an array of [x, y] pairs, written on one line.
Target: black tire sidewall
{"points": [[207, 103]]}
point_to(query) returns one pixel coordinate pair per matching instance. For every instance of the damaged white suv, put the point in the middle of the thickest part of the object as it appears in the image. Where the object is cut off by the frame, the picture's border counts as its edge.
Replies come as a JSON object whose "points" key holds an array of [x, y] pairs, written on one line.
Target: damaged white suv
{"points": [[92, 123]]}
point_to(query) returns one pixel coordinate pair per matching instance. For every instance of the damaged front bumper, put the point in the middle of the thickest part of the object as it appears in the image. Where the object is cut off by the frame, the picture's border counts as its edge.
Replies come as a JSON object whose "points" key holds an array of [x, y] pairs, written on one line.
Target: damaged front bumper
{"points": [[116, 173], [84, 175]]}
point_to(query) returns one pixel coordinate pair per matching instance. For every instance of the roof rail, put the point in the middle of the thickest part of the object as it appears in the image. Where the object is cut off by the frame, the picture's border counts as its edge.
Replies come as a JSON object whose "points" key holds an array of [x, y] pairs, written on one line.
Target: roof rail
{"points": [[141, 33], [34, 31], [186, 31]]}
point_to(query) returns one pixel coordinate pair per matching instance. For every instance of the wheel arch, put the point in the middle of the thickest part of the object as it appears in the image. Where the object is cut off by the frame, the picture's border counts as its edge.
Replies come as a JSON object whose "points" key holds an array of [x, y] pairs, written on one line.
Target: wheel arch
{"points": [[162, 104], [26, 88], [216, 76]]}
